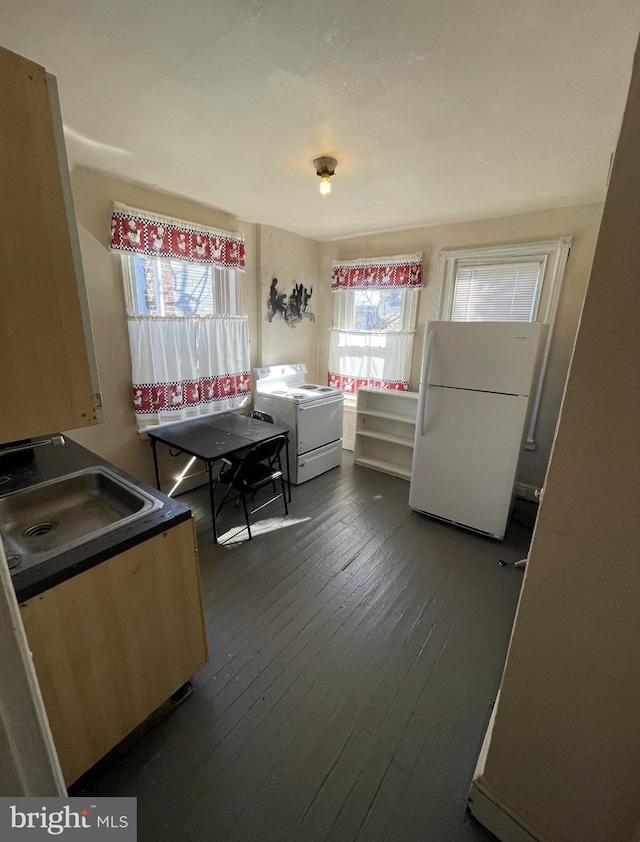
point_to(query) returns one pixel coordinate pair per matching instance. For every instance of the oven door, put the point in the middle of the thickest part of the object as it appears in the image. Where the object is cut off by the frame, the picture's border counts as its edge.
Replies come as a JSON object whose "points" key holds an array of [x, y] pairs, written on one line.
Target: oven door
{"points": [[319, 423]]}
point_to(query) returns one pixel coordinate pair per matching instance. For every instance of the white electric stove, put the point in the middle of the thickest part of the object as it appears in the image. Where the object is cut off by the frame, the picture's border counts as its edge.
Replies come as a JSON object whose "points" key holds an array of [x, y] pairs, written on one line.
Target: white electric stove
{"points": [[312, 413]]}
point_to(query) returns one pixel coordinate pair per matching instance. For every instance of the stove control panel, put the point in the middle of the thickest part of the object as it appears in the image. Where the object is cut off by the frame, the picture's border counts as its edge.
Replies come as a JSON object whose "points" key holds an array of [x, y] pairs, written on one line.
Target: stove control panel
{"points": [[284, 373]]}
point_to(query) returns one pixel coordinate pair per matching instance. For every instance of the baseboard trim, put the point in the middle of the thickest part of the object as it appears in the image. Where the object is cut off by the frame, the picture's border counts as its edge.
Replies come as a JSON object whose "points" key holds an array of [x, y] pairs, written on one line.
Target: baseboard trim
{"points": [[186, 484], [527, 491], [494, 818]]}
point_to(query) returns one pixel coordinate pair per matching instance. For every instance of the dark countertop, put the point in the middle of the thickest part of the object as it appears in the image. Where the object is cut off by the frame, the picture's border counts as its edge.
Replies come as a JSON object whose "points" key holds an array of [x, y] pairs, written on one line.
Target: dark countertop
{"points": [[47, 462]]}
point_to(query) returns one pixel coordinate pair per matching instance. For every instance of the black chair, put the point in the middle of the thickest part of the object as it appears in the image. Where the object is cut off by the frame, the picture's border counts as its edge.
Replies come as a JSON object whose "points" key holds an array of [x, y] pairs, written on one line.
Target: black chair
{"points": [[261, 416], [259, 466]]}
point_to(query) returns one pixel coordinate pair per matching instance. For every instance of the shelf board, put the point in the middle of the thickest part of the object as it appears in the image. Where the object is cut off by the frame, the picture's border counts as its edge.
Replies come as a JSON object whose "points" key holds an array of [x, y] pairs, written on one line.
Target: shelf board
{"points": [[404, 441], [393, 393], [390, 416], [385, 467]]}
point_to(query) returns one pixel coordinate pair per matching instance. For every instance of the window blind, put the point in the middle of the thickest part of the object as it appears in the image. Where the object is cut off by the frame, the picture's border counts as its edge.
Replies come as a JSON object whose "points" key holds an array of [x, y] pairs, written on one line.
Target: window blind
{"points": [[503, 292]]}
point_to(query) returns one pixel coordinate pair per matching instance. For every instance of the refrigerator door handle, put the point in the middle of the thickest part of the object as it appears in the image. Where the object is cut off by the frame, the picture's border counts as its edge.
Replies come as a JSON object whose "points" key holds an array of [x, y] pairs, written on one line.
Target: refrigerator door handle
{"points": [[424, 380]]}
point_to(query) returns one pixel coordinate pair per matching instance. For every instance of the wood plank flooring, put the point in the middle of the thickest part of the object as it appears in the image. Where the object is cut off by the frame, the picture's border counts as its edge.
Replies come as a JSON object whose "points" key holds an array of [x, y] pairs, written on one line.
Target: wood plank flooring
{"points": [[356, 649]]}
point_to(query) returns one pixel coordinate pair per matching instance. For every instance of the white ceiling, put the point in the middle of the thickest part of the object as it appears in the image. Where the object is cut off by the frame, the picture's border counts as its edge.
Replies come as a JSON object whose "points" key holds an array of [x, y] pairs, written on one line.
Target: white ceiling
{"points": [[437, 110]]}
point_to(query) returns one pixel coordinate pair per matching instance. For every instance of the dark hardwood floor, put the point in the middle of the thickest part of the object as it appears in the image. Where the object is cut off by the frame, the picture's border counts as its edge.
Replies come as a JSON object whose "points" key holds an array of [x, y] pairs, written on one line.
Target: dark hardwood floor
{"points": [[356, 649]]}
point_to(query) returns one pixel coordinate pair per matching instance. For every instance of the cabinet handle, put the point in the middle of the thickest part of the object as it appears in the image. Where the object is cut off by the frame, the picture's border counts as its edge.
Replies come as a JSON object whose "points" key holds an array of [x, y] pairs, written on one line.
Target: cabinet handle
{"points": [[424, 379]]}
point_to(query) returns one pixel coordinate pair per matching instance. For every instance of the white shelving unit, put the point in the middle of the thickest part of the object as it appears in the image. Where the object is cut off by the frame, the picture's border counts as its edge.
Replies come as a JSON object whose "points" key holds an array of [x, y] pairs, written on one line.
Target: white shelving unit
{"points": [[385, 429]]}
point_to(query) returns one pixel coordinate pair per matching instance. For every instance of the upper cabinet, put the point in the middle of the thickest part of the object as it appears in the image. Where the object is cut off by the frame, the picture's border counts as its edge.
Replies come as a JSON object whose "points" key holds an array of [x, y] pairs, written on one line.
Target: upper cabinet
{"points": [[48, 375]]}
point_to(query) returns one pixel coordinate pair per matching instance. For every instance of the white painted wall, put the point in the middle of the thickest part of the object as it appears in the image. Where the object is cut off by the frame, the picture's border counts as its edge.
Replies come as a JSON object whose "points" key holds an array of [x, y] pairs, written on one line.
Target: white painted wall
{"points": [[564, 754], [117, 439], [580, 222], [290, 258], [269, 252]]}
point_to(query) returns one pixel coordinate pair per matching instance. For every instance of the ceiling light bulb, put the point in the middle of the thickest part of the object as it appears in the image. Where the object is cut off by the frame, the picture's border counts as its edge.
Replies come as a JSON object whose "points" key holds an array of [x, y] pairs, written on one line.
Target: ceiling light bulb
{"points": [[325, 167]]}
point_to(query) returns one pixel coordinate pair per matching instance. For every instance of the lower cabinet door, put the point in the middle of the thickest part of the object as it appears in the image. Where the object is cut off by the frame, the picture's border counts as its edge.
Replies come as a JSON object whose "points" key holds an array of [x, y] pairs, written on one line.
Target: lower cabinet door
{"points": [[113, 643]]}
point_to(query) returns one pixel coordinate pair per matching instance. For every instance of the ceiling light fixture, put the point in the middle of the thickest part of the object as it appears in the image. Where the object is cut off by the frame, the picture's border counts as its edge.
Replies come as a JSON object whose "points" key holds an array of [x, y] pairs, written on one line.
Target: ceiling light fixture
{"points": [[325, 168]]}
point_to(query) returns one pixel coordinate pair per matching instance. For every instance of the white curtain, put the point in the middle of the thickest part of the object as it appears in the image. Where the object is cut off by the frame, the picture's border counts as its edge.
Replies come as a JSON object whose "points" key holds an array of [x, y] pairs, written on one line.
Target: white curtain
{"points": [[186, 367], [343, 306], [369, 359], [223, 360]]}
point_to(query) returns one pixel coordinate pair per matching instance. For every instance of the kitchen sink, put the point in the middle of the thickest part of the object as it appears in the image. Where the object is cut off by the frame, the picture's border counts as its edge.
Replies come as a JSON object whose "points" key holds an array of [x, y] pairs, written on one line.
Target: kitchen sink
{"points": [[46, 520]]}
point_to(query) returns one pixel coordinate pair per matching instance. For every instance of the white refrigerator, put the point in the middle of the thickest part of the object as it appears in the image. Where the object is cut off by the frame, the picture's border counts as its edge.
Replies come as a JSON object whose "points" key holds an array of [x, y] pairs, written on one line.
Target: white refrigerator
{"points": [[475, 382]]}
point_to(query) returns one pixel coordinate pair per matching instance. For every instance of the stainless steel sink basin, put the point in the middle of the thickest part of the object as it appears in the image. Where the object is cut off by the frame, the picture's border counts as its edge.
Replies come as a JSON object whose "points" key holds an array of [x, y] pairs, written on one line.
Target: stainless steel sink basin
{"points": [[45, 520]]}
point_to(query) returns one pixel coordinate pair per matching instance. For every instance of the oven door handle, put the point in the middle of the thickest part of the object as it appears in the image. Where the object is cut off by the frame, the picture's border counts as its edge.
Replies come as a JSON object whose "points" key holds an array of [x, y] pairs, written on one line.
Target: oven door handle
{"points": [[321, 402]]}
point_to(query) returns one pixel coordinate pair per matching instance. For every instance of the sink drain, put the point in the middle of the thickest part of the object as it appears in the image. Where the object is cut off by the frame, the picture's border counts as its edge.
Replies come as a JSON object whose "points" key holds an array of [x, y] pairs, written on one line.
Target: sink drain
{"points": [[38, 529]]}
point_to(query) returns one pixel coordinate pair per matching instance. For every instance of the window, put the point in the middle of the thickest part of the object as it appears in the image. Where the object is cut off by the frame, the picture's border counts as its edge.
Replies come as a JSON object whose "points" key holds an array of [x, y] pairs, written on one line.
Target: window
{"points": [[498, 292], [375, 308], [167, 287], [188, 339], [516, 283]]}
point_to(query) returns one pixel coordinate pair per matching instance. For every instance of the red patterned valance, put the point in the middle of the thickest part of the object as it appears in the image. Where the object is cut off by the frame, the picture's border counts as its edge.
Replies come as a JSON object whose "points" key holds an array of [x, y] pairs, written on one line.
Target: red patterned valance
{"points": [[152, 398], [402, 271], [140, 232], [350, 385]]}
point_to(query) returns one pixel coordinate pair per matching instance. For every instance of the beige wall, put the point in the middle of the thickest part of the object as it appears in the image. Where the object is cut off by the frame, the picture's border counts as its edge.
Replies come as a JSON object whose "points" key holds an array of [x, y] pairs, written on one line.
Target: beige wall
{"points": [[289, 258], [564, 757], [117, 438], [580, 222], [269, 252], [272, 252]]}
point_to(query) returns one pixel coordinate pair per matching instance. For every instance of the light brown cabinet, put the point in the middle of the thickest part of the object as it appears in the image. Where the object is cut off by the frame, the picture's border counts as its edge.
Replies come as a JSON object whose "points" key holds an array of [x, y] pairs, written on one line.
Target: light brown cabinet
{"points": [[113, 643], [48, 377]]}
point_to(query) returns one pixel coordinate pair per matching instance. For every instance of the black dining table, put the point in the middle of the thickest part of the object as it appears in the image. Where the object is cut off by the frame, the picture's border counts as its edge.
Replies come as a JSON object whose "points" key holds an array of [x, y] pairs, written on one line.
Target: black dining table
{"points": [[212, 439]]}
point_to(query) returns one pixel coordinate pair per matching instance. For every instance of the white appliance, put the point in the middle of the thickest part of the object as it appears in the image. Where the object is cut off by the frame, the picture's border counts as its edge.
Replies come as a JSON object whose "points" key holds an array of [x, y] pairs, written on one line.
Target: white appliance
{"points": [[475, 383], [312, 413]]}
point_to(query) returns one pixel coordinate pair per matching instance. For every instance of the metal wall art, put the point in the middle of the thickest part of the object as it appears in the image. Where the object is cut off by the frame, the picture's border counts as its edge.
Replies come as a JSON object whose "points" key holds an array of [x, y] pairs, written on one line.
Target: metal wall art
{"points": [[293, 308]]}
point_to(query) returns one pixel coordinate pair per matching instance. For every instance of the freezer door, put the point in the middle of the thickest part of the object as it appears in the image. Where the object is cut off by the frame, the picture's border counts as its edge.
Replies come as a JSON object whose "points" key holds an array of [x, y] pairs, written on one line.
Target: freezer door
{"points": [[486, 356], [464, 465]]}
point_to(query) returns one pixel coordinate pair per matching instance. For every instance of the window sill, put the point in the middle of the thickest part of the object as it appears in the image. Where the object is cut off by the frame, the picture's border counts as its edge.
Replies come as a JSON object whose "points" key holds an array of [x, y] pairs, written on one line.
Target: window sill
{"points": [[144, 433]]}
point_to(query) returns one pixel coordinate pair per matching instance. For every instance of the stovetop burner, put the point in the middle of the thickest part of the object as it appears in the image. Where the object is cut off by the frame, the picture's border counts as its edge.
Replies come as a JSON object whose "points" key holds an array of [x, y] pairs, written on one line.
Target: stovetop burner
{"points": [[287, 383], [312, 387]]}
